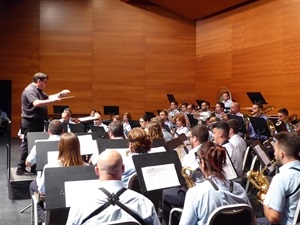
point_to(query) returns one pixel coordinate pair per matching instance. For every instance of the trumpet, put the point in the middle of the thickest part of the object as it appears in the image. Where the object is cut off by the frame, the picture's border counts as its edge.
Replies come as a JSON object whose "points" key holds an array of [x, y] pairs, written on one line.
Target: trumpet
{"points": [[259, 181]]}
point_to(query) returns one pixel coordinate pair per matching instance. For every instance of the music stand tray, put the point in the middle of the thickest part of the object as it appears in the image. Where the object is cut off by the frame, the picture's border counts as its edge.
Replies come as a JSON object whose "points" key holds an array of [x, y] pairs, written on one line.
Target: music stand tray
{"points": [[241, 122], [260, 126], [256, 97], [192, 120], [150, 115], [199, 102], [58, 109], [260, 151]]}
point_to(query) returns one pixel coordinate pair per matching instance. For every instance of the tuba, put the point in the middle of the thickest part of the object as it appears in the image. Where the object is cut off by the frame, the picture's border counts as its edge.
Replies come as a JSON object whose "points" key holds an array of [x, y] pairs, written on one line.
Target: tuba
{"points": [[259, 181]]}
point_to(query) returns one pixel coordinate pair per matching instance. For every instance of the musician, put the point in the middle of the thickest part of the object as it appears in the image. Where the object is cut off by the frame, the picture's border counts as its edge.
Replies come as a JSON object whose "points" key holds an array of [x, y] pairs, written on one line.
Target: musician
{"points": [[175, 196], [173, 112], [235, 139], [166, 134], [190, 109], [164, 115], [98, 121], [283, 116], [34, 112], [184, 108], [257, 111], [219, 111], [144, 119], [235, 109], [281, 200], [221, 137], [215, 191], [109, 169], [227, 101], [181, 125], [126, 124]]}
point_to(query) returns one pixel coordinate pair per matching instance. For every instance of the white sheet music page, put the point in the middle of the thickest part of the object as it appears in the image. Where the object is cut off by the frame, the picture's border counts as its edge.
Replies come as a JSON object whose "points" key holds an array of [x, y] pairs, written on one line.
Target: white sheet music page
{"points": [[87, 144], [229, 171], [75, 190], [52, 156], [160, 176]]}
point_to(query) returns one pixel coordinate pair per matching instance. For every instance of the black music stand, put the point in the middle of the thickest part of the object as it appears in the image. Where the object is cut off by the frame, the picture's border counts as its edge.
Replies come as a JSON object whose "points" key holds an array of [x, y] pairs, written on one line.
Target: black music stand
{"points": [[175, 143], [134, 123], [76, 128], [55, 178], [111, 144], [58, 109], [260, 126], [153, 162], [261, 152], [199, 102], [241, 122], [99, 131], [33, 136], [171, 98], [42, 149], [150, 115], [111, 110], [279, 126], [192, 120], [256, 97]]}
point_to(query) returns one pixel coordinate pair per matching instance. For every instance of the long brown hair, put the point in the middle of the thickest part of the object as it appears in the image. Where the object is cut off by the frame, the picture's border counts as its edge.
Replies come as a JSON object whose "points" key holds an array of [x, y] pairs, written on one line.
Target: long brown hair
{"points": [[214, 157], [154, 130], [139, 141], [69, 150]]}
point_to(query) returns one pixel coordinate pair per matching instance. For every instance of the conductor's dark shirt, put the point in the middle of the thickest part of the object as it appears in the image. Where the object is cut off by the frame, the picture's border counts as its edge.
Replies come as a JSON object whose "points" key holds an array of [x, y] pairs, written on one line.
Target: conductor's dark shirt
{"points": [[29, 95]]}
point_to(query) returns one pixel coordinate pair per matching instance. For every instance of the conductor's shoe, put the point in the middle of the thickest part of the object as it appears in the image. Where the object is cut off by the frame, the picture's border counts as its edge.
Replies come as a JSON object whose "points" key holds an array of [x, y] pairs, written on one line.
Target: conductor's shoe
{"points": [[22, 171]]}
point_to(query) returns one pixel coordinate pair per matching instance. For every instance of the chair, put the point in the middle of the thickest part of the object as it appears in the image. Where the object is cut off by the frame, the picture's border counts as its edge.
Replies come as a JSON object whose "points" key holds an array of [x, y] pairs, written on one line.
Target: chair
{"points": [[236, 214], [133, 222], [245, 158], [133, 183], [173, 210], [296, 220]]}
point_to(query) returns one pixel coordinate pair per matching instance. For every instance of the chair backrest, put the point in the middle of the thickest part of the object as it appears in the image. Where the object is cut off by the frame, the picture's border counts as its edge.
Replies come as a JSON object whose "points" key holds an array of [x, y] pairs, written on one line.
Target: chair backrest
{"points": [[236, 214], [33, 136], [297, 214], [133, 183], [245, 157], [122, 223]]}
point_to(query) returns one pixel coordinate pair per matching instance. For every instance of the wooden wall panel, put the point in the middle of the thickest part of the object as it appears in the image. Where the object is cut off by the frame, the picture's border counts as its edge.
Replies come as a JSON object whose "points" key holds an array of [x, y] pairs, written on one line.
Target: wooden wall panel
{"points": [[264, 53], [19, 46]]}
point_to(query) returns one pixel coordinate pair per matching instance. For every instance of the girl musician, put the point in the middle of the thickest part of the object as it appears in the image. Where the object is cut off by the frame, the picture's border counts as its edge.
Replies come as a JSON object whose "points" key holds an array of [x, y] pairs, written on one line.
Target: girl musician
{"points": [[181, 126], [215, 191]]}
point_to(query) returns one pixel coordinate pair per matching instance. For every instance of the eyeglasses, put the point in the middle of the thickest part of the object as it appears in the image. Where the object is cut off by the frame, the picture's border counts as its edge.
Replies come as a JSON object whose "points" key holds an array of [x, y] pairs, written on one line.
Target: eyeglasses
{"points": [[46, 82]]}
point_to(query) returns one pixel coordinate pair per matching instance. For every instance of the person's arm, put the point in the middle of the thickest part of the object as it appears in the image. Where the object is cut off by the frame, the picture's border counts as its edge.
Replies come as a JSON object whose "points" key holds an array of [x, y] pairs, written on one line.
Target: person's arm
{"points": [[51, 98], [188, 216], [272, 215]]}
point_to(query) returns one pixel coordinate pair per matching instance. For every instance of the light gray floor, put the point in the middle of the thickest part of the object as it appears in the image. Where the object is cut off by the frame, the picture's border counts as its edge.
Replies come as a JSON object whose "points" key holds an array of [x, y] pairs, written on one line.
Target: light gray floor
{"points": [[10, 209]]}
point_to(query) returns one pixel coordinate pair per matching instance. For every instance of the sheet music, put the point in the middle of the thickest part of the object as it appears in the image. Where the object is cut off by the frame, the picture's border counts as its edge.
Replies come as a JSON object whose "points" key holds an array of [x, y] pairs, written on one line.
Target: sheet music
{"points": [[228, 169], [87, 144], [160, 176], [264, 157], [157, 149], [75, 189]]}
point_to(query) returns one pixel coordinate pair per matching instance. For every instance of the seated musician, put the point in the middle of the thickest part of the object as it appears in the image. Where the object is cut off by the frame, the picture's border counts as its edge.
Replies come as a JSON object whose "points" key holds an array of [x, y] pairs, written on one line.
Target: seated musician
{"points": [[280, 201], [167, 135], [257, 111], [227, 101], [283, 116], [139, 143], [68, 155], [215, 191], [98, 121], [181, 125], [219, 111], [167, 124], [126, 124], [109, 168], [235, 109], [174, 197]]}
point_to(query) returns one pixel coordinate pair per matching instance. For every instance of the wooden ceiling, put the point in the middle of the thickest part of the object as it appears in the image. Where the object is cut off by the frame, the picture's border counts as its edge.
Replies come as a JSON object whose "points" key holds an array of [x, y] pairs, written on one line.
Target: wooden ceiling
{"points": [[195, 9]]}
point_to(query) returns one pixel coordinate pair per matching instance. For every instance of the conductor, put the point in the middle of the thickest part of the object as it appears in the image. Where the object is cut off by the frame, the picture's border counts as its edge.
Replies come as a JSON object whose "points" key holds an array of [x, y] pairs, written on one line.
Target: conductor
{"points": [[34, 111]]}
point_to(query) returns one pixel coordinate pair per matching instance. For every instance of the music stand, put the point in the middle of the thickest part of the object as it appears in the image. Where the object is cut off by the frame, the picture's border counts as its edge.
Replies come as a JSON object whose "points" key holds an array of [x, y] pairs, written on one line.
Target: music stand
{"points": [[241, 122], [192, 120], [260, 126], [199, 102], [279, 126], [111, 144], [58, 109], [42, 149], [264, 158], [164, 164], [256, 97], [111, 110], [150, 115], [134, 123], [171, 98], [76, 128], [33, 136], [100, 132]]}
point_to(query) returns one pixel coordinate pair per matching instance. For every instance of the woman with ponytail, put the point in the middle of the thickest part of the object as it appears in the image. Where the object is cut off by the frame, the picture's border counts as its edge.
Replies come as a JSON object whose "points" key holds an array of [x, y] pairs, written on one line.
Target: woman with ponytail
{"points": [[215, 191]]}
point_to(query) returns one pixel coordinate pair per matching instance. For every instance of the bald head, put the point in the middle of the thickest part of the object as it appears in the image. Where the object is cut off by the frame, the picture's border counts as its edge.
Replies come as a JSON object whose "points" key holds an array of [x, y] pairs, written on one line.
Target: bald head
{"points": [[109, 165]]}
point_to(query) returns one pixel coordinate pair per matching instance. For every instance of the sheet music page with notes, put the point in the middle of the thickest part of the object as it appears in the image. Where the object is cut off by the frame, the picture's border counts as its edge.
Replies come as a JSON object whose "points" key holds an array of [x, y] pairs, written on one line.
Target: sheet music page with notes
{"points": [[229, 170], [160, 176], [87, 144]]}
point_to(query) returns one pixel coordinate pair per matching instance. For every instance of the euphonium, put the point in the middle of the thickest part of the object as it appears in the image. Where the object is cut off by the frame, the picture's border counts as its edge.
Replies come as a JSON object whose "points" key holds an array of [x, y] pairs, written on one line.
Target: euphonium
{"points": [[188, 180], [259, 181]]}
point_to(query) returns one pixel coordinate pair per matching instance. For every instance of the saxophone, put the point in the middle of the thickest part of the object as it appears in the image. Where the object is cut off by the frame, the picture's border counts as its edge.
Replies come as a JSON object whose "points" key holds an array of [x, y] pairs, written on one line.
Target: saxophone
{"points": [[188, 180], [259, 181]]}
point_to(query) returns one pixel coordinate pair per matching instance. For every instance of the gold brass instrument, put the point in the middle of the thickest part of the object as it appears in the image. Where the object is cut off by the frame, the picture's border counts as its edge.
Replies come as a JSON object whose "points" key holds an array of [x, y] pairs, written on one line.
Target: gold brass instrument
{"points": [[202, 115], [288, 121], [259, 181], [188, 180]]}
